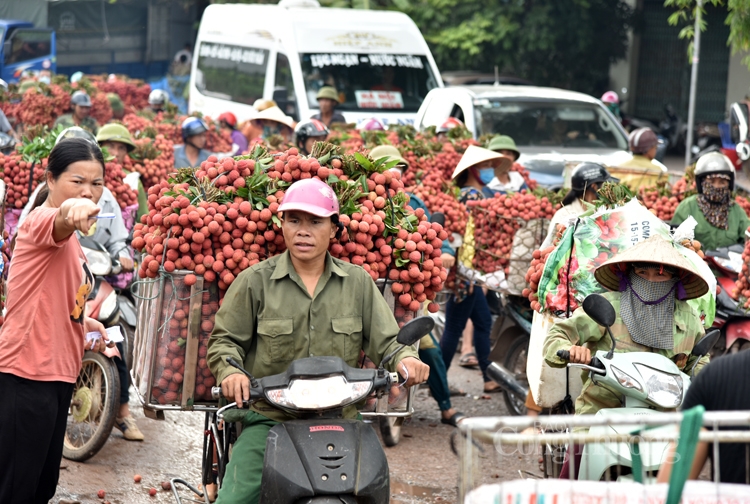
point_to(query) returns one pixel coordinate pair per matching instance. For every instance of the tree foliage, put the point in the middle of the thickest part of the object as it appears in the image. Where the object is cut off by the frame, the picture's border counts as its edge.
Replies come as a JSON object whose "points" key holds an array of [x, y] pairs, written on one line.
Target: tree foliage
{"points": [[563, 43], [738, 20]]}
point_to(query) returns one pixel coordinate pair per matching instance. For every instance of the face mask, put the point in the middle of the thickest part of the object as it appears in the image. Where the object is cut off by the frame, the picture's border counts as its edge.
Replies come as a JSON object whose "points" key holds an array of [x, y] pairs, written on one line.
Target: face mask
{"points": [[45, 79], [486, 175]]}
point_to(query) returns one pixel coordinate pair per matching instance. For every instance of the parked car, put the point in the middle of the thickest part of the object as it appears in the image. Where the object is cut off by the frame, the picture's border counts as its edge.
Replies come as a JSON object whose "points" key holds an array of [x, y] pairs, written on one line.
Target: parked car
{"points": [[551, 127]]}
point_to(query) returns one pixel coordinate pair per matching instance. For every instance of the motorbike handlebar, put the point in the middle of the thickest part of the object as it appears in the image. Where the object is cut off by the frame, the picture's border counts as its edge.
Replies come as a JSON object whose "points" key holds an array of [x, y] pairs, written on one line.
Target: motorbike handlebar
{"points": [[216, 392], [564, 355], [594, 362]]}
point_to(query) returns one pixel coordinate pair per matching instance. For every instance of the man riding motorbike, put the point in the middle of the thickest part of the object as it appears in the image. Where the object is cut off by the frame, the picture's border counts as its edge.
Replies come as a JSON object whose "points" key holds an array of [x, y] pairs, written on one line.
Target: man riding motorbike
{"points": [[299, 304], [80, 115], [721, 222], [646, 170], [307, 133], [191, 154], [650, 284], [113, 235]]}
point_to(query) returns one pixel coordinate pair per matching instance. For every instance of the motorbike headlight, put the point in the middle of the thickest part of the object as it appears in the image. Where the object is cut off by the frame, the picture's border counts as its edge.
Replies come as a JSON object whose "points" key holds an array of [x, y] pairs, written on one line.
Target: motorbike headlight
{"points": [[109, 305], [664, 389], [625, 379], [733, 263], [324, 393], [99, 262]]}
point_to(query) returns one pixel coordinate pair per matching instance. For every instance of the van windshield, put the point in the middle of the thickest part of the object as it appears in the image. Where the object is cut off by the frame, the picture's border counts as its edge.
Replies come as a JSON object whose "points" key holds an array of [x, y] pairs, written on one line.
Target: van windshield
{"points": [[549, 123], [228, 72], [369, 81]]}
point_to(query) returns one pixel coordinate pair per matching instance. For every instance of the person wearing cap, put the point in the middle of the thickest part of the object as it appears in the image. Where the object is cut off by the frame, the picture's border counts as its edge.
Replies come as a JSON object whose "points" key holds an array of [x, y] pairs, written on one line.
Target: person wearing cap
{"points": [[586, 179], [441, 132], [191, 154], [118, 108], [650, 284], [429, 347], [118, 142], [468, 302], [273, 121], [328, 98], [301, 303], [646, 169], [505, 181], [80, 115], [307, 133], [228, 122], [721, 221]]}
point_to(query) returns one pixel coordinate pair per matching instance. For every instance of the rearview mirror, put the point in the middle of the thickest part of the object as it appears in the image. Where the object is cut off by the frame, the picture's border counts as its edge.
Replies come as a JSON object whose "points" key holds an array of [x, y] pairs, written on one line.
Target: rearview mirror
{"points": [[414, 330], [599, 309], [704, 346]]}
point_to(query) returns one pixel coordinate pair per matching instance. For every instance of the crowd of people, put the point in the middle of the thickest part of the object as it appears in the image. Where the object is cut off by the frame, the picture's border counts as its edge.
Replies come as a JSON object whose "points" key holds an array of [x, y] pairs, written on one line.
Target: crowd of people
{"points": [[42, 338]]}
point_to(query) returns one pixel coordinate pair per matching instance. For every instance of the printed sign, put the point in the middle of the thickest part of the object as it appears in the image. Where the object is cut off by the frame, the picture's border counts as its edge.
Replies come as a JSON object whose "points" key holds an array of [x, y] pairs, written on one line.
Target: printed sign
{"points": [[233, 53], [379, 100], [318, 428]]}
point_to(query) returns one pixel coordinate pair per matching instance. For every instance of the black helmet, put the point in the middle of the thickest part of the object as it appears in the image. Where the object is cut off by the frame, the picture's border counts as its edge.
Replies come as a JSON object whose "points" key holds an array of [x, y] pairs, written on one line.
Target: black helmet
{"points": [[80, 98], [193, 126], [713, 163], [586, 174], [312, 128]]}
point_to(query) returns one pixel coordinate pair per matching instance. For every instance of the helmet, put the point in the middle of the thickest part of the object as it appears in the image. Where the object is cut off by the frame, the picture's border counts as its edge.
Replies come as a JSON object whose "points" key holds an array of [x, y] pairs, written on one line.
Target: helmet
{"points": [[158, 97], [373, 124], [328, 92], [80, 98], [586, 174], [642, 140], [448, 125], [713, 163], [193, 126], [75, 132], [114, 132], [503, 142], [388, 151], [610, 97], [115, 102], [312, 196], [76, 77], [228, 118], [311, 128]]}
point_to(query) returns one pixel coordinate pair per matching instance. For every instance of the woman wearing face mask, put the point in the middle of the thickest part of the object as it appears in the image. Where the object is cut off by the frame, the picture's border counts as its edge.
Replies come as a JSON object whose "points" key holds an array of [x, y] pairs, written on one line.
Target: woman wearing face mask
{"points": [[721, 222], [467, 302]]}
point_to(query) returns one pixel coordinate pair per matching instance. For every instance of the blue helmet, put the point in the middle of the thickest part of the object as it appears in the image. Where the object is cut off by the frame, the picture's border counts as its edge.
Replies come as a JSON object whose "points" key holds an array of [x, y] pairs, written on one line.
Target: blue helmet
{"points": [[193, 126]]}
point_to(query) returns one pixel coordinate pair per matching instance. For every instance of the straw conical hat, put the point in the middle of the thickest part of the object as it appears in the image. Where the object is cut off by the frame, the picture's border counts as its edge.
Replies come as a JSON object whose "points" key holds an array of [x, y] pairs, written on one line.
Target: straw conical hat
{"points": [[656, 250], [475, 155], [274, 114]]}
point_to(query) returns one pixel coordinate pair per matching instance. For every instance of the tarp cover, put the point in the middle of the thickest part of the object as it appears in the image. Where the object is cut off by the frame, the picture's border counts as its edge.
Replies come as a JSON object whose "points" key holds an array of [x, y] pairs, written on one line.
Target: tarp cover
{"points": [[34, 11]]}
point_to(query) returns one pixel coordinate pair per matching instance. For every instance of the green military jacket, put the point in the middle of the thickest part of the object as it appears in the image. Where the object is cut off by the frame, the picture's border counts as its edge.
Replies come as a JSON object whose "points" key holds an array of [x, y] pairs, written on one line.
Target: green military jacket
{"points": [[711, 237], [89, 123], [582, 330], [268, 320]]}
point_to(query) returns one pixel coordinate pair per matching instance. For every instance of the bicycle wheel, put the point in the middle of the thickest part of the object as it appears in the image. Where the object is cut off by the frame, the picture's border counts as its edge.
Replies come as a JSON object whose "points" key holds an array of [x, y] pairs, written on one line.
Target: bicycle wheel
{"points": [[96, 399], [515, 362], [390, 429]]}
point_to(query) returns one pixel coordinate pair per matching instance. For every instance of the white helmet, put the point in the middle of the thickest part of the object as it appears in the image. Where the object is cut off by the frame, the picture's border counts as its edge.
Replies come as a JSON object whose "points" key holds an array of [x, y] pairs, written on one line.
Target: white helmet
{"points": [[713, 163], [158, 97]]}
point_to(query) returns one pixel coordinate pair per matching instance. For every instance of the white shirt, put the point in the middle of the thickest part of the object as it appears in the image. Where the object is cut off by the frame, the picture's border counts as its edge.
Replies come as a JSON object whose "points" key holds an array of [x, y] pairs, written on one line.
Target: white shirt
{"points": [[514, 184], [562, 216]]}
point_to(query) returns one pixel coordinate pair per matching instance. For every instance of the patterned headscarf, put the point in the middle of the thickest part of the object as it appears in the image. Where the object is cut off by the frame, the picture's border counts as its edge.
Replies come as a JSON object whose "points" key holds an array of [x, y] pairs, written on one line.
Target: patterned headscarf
{"points": [[647, 308], [714, 202]]}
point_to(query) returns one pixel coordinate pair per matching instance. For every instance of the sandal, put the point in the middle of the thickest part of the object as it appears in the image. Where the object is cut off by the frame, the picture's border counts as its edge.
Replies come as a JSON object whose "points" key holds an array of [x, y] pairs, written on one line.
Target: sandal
{"points": [[468, 360], [456, 392], [454, 419], [498, 389]]}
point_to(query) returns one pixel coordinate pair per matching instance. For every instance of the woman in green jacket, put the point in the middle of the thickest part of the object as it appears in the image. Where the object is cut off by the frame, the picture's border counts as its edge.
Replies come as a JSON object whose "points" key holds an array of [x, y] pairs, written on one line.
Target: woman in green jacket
{"points": [[721, 222]]}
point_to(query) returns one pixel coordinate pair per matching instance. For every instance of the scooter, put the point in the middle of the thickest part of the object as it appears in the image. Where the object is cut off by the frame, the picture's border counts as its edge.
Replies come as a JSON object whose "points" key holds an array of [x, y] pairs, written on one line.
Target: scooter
{"points": [[646, 382], [731, 318], [322, 457], [96, 396]]}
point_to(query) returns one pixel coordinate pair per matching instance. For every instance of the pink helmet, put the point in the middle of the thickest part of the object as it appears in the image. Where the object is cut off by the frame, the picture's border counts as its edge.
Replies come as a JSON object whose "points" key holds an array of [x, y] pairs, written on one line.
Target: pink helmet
{"points": [[610, 97], [449, 124], [312, 196], [373, 124]]}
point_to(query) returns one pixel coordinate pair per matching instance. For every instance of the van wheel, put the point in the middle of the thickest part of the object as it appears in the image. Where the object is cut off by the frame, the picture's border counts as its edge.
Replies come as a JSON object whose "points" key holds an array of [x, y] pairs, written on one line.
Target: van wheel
{"points": [[390, 429]]}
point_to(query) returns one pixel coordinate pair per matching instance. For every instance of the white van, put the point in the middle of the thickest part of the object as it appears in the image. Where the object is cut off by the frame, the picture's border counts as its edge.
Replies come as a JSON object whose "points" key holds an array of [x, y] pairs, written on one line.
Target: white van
{"points": [[377, 60]]}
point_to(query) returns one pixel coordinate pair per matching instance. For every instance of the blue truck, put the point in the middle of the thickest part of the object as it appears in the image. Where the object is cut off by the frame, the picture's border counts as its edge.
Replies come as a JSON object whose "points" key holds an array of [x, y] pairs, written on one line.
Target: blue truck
{"points": [[25, 48]]}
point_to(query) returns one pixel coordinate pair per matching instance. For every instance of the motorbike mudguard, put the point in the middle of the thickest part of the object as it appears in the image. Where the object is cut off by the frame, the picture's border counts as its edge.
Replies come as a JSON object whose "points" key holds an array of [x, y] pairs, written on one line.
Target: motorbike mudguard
{"points": [[310, 459], [598, 457]]}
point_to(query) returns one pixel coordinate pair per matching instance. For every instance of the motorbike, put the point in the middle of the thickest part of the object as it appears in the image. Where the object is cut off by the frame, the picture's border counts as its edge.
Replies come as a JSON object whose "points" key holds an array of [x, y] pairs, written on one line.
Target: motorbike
{"points": [[645, 381], [96, 395], [320, 457], [731, 318]]}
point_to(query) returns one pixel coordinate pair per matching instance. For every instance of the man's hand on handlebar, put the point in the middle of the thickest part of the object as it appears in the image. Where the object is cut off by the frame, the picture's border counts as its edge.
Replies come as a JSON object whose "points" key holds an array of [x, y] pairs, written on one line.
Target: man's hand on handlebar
{"points": [[413, 370], [579, 355], [236, 386]]}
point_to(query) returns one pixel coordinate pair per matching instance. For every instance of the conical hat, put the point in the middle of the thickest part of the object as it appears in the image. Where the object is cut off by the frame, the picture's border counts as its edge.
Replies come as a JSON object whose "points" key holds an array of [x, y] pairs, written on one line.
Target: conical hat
{"points": [[274, 114], [475, 155], [656, 250]]}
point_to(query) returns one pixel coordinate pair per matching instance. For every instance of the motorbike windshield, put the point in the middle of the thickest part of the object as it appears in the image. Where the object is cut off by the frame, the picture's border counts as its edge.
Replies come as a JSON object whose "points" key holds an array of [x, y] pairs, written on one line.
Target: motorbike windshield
{"points": [[368, 82], [550, 124]]}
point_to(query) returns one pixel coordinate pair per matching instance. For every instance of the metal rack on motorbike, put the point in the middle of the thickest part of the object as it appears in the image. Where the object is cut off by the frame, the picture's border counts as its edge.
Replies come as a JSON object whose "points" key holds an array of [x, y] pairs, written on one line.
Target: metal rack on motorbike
{"points": [[170, 372], [609, 443]]}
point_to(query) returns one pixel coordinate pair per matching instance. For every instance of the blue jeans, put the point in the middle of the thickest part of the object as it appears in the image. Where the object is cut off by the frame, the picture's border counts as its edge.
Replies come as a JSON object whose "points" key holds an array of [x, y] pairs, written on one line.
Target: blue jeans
{"points": [[122, 370], [438, 380], [473, 307]]}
